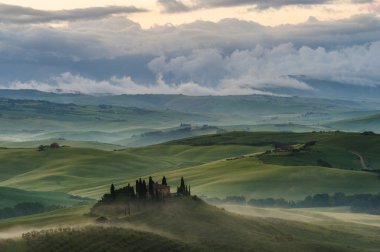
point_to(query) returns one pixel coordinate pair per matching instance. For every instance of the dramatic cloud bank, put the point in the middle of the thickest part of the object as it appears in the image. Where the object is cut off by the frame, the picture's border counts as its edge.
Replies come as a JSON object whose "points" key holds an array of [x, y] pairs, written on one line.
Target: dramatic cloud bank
{"points": [[172, 6], [23, 15], [102, 53]]}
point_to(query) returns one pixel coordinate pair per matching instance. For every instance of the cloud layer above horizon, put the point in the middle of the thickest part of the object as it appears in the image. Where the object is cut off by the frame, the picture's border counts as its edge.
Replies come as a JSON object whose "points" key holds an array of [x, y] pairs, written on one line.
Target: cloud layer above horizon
{"points": [[99, 50]]}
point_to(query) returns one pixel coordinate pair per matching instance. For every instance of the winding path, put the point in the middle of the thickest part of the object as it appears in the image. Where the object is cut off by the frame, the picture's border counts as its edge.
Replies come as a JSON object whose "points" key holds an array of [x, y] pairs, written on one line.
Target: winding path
{"points": [[362, 161]]}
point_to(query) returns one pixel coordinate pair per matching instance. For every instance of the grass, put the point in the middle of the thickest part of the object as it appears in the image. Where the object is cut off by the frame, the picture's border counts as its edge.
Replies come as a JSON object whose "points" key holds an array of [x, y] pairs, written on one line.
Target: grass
{"points": [[188, 224], [333, 147], [11, 196], [75, 144], [216, 230], [73, 216], [251, 178], [89, 172]]}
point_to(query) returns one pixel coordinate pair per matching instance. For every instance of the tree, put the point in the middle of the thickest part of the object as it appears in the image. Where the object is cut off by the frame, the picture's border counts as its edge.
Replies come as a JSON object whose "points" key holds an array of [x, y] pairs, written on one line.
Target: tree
{"points": [[112, 190], [182, 189], [143, 189], [54, 146], [150, 187], [137, 188], [164, 181]]}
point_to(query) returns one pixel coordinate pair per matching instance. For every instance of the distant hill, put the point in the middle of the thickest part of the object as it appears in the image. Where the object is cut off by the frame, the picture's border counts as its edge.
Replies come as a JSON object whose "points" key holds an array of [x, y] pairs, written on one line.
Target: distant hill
{"points": [[250, 104], [363, 123], [34, 117], [138, 120], [214, 110], [328, 89]]}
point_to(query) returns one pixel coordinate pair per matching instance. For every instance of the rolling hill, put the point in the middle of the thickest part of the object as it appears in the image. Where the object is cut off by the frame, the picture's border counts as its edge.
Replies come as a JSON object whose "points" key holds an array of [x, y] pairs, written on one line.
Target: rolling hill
{"points": [[189, 224], [251, 109], [140, 120], [29, 115], [362, 123], [11, 196], [216, 165]]}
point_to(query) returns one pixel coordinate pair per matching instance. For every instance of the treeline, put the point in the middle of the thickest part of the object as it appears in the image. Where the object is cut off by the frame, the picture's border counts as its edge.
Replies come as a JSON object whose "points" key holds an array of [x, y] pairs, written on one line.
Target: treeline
{"points": [[26, 208], [144, 190], [365, 203]]}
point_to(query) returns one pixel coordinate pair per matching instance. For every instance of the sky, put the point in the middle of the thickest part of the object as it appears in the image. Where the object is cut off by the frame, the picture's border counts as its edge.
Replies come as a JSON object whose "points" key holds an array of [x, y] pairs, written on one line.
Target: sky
{"points": [[192, 47]]}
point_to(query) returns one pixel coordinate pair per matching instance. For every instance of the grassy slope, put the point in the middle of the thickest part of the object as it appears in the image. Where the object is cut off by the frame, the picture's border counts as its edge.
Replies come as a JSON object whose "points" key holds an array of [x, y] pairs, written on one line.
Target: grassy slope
{"points": [[72, 216], [76, 144], [217, 230], [252, 178], [11, 196], [325, 216], [89, 171], [335, 148], [100, 239], [185, 221]]}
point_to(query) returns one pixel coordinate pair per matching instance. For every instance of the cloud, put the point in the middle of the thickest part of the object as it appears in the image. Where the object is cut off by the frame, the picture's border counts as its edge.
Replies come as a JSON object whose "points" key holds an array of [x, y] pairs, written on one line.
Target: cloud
{"points": [[23, 15], [259, 4], [173, 6], [362, 1], [68, 82], [267, 68], [115, 55], [257, 71]]}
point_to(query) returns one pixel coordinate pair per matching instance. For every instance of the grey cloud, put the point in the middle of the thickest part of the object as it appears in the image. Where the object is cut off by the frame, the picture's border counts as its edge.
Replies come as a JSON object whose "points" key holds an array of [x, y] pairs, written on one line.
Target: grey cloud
{"points": [[173, 6], [22, 15], [259, 4], [228, 57], [362, 1], [241, 72]]}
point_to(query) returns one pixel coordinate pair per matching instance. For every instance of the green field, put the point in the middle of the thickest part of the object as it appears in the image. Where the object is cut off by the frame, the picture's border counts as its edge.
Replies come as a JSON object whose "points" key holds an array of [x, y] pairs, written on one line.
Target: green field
{"points": [[333, 147], [88, 172], [203, 162], [11, 196], [229, 164]]}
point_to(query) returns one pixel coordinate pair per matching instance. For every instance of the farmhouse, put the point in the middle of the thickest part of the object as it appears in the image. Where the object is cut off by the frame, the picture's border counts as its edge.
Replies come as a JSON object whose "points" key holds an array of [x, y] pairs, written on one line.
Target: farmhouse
{"points": [[162, 190]]}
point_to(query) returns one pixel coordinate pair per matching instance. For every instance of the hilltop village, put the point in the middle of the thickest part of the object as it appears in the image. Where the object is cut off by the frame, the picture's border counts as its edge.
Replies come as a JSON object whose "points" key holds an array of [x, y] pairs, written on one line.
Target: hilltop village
{"points": [[151, 190]]}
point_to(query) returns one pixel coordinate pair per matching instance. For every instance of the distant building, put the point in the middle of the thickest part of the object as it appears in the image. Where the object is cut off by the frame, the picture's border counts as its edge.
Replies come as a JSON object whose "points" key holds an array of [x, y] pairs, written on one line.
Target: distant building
{"points": [[162, 190], [185, 125]]}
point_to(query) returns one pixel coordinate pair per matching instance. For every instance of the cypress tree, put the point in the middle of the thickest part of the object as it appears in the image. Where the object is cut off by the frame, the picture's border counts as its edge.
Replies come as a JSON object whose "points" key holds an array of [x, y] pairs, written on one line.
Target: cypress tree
{"points": [[150, 185], [143, 189], [164, 181], [137, 188], [112, 190], [182, 187]]}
